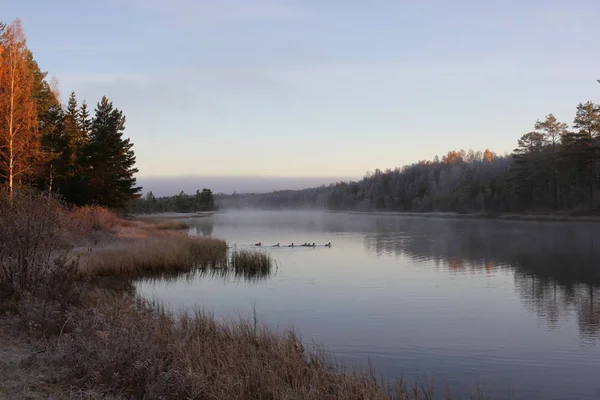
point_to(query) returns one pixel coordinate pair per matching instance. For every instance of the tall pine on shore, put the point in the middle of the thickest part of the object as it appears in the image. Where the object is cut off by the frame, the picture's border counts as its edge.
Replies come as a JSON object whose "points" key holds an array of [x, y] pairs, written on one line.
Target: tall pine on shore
{"points": [[109, 159]]}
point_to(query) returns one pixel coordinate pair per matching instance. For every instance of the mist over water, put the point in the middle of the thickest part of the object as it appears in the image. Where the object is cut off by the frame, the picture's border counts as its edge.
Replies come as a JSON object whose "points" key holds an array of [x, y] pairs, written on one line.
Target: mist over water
{"points": [[507, 305]]}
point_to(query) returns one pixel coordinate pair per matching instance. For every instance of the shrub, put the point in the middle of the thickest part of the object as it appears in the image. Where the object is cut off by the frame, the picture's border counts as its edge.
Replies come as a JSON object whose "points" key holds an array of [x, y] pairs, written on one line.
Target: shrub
{"points": [[35, 250], [93, 223]]}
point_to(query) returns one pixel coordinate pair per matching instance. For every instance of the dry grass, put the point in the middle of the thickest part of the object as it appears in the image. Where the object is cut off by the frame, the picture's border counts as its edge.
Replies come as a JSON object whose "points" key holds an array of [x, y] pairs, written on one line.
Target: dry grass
{"points": [[130, 348], [154, 256], [165, 224], [251, 264]]}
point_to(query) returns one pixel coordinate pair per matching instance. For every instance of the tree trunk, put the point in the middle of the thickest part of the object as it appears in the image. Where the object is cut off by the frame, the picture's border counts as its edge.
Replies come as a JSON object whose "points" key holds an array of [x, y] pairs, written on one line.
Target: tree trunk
{"points": [[11, 156]]}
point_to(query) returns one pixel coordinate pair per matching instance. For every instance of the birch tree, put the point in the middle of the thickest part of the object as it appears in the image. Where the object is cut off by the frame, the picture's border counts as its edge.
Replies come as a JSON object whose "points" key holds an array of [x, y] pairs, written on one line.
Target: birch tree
{"points": [[19, 138]]}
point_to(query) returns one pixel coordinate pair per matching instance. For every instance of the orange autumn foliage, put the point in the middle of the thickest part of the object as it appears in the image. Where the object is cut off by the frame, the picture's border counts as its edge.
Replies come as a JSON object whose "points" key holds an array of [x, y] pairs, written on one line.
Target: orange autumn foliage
{"points": [[19, 134]]}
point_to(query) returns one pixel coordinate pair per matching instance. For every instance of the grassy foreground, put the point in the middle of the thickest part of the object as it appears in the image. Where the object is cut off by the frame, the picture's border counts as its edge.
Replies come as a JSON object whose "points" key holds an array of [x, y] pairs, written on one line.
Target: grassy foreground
{"points": [[83, 336]]}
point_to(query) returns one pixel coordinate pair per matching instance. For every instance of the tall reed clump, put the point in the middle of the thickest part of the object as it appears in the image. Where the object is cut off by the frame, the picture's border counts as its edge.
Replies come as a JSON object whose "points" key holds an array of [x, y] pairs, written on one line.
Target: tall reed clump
{"points": [[167, 254], [250, 264], [35, 245], [131, 348]]}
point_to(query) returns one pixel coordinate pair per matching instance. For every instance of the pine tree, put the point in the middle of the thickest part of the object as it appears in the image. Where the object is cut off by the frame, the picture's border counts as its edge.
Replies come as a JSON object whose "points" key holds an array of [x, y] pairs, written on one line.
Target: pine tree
{"points": [[85, 123], [19, 133], [49, 114], [110, 159], [52, 126], [582, 146], [553, 132], [75, 135]]}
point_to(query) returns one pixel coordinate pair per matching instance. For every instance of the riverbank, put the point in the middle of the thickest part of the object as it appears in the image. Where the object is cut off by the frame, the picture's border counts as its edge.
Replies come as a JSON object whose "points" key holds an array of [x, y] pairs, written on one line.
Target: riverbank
{"points": [[79, 330]]}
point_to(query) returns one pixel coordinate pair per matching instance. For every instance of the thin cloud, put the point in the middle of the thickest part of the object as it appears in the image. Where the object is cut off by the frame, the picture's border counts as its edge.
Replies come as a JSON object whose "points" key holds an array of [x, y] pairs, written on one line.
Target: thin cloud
{"points": [[182, 90], [217, 10]]}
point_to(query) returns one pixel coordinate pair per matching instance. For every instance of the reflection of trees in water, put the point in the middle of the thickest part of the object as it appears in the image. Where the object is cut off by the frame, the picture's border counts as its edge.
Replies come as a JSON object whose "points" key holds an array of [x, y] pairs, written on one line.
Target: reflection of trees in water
{"points": [[202, 226], [555, 265], [553, 301]]}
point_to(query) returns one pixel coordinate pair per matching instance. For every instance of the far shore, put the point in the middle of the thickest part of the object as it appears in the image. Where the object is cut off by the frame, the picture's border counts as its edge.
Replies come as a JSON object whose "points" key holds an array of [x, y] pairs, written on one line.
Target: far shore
{"points": [[561, 216], [174, 215], [557, 217]]}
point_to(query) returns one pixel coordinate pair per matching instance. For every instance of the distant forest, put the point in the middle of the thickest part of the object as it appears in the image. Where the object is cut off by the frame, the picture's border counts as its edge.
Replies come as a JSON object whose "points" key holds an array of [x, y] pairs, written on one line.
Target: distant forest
{"points": [[556, 167], [184, 203]]}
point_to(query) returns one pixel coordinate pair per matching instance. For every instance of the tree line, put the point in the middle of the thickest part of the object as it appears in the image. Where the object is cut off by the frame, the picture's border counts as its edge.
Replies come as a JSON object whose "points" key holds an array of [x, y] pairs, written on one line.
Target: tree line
{"points": [[60, 149], [555, 167], [182, 202]]}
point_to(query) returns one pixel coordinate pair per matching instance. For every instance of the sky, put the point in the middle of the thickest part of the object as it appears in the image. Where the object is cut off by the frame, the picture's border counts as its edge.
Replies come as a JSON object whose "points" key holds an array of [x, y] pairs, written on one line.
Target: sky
{"points": [[317, 88]]}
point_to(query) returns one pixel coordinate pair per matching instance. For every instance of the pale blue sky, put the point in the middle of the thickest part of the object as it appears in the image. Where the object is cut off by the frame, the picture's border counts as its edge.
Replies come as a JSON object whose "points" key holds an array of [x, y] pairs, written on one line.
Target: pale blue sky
{"points": [[317, 87]]}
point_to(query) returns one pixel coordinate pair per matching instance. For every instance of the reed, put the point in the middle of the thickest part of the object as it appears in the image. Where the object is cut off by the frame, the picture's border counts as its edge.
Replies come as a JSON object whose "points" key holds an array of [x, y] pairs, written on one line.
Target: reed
{"points": [[136, 349], [154, 256], [164, 224], [248, 263]]}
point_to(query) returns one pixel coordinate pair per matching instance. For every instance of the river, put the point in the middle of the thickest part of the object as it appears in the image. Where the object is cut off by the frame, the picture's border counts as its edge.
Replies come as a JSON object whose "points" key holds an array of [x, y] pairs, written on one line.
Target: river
{"points": [[511, 307]]}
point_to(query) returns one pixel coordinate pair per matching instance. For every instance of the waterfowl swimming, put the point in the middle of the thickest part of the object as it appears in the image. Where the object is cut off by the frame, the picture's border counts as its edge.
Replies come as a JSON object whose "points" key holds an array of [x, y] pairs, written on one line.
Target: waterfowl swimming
{"points": [[291, 245], [277, 245], [313, 245], [258, 244], [328, 244]]}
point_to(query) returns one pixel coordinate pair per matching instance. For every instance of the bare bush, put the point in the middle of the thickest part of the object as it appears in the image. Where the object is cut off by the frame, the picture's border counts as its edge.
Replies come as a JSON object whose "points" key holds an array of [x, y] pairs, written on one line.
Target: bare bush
{"points": [[93, 224], [35, 250]]}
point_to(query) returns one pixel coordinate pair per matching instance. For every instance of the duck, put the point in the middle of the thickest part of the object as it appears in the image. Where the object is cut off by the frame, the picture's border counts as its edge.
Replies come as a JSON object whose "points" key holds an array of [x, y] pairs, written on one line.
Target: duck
{"points": [[291, 245], [313, 245], [258, 244], [328, 244], [277, 245]]}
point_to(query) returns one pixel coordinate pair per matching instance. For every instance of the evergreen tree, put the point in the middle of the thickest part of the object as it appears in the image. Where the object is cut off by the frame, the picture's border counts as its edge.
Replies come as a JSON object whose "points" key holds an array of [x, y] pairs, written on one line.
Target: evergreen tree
{"points": [[85, 123], [52, 126], [553, 132], [109, 159], [49, 115], [581, 147]]}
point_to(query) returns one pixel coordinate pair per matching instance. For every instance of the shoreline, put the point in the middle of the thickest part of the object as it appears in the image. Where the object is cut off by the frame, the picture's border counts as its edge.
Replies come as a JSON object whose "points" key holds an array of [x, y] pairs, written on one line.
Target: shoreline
{"points": [[176, 215], [98, 328], [485, 216], [565, 216]]}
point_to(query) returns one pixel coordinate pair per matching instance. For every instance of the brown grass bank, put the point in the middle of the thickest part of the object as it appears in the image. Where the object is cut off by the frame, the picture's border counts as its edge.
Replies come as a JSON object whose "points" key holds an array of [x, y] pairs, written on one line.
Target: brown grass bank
{"points": [[130, 348]]}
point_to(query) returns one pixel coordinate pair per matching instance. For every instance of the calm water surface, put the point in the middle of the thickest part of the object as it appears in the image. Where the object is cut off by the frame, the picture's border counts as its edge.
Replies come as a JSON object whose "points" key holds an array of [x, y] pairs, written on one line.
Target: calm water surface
{"points": [[508, 306]]}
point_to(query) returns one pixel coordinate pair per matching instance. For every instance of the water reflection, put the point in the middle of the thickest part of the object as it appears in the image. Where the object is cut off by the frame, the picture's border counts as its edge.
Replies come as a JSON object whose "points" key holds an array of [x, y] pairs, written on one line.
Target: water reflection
{"points": [[225, 272], [201, 226], [555, 265]]}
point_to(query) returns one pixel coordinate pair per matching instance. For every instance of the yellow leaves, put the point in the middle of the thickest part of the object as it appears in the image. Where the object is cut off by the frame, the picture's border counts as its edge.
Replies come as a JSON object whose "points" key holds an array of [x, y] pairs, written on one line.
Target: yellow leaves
{"points": [[19, 139]]}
